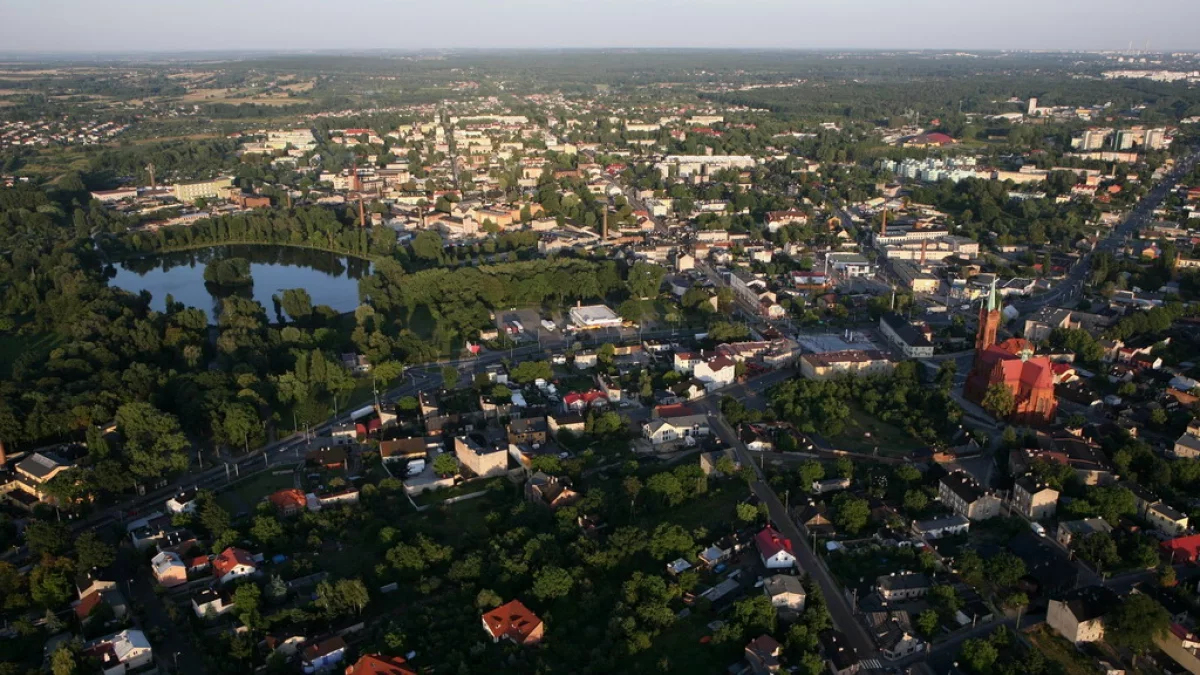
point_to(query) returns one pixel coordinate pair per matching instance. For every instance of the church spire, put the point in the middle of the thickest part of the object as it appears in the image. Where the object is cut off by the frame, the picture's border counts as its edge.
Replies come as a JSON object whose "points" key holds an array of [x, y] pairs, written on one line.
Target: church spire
{"points": [[989, 321]]}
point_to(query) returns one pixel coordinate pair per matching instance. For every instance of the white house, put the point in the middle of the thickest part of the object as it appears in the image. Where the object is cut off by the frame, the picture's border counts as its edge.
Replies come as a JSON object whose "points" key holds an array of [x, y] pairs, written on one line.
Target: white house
{"points": [[715, 372], [774, 549], [323, 655], [233, 563], [211, 602], [120, 652], [184, 502], [671, 429], [169, 569], [684, 362], [785, 592]]}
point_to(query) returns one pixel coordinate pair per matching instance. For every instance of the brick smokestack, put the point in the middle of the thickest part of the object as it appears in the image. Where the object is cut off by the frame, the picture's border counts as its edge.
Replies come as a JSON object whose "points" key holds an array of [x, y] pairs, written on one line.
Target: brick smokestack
{"points": [[604, 227], [883, 230], [362, 214], [3, 454], [924, 244]]}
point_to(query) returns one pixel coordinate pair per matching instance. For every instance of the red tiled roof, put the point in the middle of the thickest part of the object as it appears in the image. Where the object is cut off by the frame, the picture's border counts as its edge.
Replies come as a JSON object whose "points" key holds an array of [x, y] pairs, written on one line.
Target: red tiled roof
{"points": [[512, 620], [770, 542], [588, 397], [88, 603], [288, 499], [377, 664], [720, 363], [676, 410], [1182, 548], [231, 558], [323, 648]]}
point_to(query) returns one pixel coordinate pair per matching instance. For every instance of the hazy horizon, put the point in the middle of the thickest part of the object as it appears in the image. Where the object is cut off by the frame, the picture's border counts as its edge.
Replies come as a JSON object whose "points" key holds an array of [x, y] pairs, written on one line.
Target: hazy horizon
{"points": [[75, 27]]}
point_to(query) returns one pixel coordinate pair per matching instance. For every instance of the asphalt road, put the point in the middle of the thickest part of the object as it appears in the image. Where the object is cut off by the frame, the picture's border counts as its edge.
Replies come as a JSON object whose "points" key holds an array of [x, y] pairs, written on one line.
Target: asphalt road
{"points": [[1071, 287], [839, 608]]}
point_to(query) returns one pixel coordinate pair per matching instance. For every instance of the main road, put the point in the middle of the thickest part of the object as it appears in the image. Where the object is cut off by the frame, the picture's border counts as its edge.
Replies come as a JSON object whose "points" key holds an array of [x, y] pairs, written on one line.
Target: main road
{"points": [[839, 608], [1070, 288], [287, 450]]}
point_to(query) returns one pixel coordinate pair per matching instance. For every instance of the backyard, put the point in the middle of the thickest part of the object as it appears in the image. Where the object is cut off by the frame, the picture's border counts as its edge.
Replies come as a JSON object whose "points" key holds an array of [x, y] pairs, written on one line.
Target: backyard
{"points": [[245, 495]]}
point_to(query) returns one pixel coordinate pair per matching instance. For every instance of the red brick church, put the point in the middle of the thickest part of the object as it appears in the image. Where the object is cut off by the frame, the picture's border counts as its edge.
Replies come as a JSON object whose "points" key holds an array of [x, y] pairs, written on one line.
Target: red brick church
{"points": [[1013, 364]]}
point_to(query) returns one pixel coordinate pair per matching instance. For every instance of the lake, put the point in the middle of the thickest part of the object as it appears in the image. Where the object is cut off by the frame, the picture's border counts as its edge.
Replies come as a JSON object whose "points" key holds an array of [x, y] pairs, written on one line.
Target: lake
{"points": [[330, 278]]}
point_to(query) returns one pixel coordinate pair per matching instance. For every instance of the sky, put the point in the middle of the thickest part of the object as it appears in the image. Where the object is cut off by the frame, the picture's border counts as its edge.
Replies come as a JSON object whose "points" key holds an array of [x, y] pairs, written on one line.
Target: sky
{"points": [[123, 26]]}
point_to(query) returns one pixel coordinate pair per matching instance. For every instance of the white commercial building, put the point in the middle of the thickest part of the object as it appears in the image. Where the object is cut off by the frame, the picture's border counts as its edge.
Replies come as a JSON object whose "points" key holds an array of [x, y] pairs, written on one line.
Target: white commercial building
{"points": [[594, 316]]}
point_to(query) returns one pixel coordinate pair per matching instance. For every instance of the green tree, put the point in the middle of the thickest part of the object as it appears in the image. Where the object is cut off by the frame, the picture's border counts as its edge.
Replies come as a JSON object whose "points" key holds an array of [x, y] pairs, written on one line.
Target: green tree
{"points": [[928, 622], [47, 538], [445, 464], [666, 487], [154, 443], [64, 661], [343, 597], [998, 400], [267, 530], [669, 541], [1136, 621], [978, 655], [449, 377], [915, 501], [1004, 569], [247, 600], [810, 472], [214, 518], [850, 513], [747, 513], [551, 583], [92, 553], [50, 582], [844, 467]]}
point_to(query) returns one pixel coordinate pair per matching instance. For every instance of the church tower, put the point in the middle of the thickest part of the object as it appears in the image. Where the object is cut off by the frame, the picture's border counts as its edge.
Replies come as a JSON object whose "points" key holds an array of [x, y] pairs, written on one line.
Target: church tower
{"points": [[989, 321]]}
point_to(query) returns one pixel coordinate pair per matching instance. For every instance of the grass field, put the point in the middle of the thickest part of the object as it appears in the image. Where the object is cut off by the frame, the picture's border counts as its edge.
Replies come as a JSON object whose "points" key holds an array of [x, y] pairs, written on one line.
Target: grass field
{"points": [[1060, 651], [245, 495], [864, 434]]}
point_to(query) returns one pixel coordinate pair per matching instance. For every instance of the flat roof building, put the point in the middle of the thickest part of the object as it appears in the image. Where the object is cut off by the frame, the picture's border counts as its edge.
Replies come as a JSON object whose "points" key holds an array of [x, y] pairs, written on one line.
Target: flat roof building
{"points": [[594, 316]]}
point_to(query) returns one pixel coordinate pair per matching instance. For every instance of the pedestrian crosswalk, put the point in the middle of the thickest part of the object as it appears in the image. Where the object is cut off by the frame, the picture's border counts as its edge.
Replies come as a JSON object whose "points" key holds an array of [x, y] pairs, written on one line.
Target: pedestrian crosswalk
{"points": [[870, 664]]}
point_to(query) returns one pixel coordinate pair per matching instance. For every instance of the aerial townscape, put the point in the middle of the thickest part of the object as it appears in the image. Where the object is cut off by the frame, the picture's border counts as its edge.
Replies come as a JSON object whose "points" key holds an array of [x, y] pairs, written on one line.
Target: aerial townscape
{"points": [[598, 361]]}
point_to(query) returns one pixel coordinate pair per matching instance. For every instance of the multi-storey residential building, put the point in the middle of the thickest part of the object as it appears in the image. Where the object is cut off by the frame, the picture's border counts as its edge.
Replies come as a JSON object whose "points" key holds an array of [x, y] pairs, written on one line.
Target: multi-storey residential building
{"points": [[203, 189], [965, 496], [482, 459], [905, 336], [1079, 614], [1034, 499], [855, 362]]}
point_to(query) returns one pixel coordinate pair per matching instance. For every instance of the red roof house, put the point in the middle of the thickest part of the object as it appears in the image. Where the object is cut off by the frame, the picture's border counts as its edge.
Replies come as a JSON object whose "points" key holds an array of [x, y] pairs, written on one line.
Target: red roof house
{"points": [[775, 549], [288, 502], [233, 563], [514, 621], [1182, 549], [378, 664]]}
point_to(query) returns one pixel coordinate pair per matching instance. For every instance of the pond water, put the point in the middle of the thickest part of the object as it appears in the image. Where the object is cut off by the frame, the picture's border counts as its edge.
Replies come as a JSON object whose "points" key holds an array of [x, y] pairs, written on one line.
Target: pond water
{"points": [[330, 279]]}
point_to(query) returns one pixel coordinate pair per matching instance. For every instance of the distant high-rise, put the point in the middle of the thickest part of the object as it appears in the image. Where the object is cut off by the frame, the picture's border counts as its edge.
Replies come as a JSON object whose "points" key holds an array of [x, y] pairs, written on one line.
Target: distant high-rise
{"points": [[1032, 110]]}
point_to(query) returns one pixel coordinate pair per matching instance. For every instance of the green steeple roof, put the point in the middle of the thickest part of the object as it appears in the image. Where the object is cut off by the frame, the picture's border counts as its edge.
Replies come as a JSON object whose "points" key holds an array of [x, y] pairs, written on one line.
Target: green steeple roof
{"points": [[993, 300]]}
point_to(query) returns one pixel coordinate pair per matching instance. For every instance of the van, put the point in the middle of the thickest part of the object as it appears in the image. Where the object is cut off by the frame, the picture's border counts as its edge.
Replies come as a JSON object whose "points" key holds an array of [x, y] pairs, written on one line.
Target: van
{"points": [[1038, 529]]}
